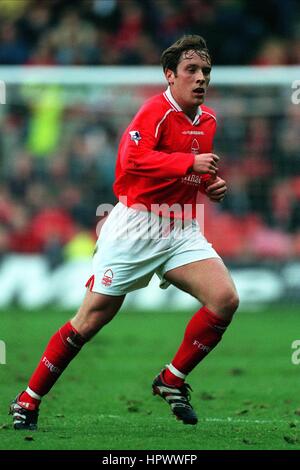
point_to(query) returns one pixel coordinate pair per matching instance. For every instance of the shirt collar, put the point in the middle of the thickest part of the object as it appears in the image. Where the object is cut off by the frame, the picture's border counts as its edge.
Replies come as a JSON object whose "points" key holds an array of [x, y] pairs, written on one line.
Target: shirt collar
{"points": [[174, 103]]}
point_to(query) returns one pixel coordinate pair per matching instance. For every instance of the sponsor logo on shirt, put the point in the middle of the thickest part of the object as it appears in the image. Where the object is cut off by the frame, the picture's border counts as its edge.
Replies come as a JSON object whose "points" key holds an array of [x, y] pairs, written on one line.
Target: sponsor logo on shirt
{"points": [[135, 136], [193, 180], [193, 132]]}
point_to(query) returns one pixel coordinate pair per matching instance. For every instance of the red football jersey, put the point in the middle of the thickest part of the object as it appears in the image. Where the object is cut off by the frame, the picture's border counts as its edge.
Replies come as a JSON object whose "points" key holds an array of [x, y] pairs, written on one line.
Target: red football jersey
{"points": [[156, 155]]}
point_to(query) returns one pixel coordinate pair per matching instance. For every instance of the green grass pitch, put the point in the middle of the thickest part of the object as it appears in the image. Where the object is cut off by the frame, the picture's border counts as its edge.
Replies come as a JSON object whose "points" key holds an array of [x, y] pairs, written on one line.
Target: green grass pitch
{"points": [[246, 392]]}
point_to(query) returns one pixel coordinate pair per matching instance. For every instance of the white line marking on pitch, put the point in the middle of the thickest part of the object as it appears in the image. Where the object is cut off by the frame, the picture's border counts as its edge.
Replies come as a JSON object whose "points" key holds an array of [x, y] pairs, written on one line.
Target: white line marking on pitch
{"points": [[248, 421], [228, 419]]}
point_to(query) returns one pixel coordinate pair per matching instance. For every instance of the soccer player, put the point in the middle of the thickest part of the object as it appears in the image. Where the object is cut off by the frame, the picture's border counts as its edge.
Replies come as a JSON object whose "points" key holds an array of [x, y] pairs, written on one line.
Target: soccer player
{"points": [[165, 161]]}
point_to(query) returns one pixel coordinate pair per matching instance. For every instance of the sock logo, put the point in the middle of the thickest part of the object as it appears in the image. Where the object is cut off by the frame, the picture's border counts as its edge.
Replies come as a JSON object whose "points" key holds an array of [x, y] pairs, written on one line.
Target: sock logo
{"points": [[51, 367], [201, 346], [219, 327], [71, 342]]}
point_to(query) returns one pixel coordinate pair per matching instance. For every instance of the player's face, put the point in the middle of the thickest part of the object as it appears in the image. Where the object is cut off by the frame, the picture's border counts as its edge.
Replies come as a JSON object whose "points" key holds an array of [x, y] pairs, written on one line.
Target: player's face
{"points": [[190, 82]]}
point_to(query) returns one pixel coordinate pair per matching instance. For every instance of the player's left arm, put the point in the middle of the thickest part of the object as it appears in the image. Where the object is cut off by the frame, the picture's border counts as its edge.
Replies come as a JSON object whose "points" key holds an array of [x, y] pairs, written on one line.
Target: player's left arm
{"points": [[216, 189]]}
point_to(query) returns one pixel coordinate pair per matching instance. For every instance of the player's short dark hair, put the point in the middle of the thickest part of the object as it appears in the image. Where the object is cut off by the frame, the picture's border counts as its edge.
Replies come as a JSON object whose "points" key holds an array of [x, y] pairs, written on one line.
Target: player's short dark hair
{"points": [[190, 42]]}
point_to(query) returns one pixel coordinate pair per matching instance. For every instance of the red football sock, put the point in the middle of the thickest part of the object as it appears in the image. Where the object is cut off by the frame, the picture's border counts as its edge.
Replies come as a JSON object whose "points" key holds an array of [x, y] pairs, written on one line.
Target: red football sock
{"points": [[202, 334], [171, 379], [61, 349]]}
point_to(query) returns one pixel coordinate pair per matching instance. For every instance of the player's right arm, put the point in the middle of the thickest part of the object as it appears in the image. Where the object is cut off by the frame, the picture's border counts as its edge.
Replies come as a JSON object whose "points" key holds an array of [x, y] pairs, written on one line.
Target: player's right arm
{"points": [[139, 155]]}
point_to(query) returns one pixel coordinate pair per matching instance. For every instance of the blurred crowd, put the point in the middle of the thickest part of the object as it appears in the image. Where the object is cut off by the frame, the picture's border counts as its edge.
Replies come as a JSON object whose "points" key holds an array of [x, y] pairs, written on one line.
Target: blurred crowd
{"points": [[133, 32], [57, 166], [260, 216], [58, 153]]}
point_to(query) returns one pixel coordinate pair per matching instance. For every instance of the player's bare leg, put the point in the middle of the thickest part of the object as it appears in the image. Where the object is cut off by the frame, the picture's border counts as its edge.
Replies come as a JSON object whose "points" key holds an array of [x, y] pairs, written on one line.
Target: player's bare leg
{"points": [[209, 281], [95, 311]]}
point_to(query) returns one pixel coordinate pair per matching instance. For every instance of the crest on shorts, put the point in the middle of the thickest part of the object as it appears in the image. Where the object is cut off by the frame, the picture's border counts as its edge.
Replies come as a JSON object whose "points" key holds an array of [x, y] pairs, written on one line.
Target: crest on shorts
{"points": [[107, 278], [135, 136]]}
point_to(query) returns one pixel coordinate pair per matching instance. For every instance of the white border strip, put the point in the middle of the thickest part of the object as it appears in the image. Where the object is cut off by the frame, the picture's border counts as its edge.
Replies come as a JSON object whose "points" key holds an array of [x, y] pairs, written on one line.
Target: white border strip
{"points": [[145, 75]]}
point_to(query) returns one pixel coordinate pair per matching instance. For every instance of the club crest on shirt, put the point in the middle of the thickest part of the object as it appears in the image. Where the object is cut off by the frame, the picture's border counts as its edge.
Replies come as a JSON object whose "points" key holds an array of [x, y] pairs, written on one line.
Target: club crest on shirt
{"points": [[195, 148], [135, 136]]}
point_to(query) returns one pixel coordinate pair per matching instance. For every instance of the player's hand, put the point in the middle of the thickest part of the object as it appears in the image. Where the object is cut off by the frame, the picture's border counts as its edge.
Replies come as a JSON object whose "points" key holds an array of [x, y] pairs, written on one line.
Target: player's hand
{"points": [[206, 163], [216, 190]]}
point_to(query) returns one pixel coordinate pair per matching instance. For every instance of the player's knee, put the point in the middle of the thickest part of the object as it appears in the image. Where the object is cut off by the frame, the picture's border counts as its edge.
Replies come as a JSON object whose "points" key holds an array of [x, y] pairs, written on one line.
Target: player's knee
{"points": [[228, 302], [225, 303]]}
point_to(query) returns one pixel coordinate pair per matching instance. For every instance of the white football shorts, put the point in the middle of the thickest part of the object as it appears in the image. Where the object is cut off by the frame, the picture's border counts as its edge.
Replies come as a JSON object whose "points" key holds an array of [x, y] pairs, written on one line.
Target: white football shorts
{"points": [[133, 245]]}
